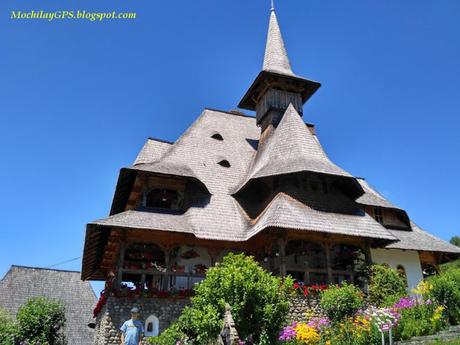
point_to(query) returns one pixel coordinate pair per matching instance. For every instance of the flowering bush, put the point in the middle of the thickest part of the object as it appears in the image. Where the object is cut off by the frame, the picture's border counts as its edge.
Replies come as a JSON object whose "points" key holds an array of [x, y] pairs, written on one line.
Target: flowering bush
{"points": [[319, 330], [445, 291]]}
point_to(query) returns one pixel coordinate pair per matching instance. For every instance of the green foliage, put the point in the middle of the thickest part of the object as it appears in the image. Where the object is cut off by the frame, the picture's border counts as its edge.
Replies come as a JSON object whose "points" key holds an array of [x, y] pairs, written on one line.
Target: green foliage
{"points": [[7, 329], [420, 320], [445, 291], [259, 302], [168, 337], [40, 321], [455, 240], [201, 324], [341, 302], [385, 286], [451, 266]]}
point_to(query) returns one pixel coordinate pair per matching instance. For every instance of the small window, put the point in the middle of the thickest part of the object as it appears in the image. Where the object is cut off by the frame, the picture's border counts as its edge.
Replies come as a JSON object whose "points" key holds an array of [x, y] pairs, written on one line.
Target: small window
{"points": [[378, 215], [224, 163], [217, 136], [163, 198], [152, 326]]}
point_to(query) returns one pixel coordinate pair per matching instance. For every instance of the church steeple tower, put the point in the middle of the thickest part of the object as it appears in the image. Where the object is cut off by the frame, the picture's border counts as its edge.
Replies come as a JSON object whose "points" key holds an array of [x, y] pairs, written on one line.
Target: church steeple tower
{"points": [[276, 58], [276, 86]]}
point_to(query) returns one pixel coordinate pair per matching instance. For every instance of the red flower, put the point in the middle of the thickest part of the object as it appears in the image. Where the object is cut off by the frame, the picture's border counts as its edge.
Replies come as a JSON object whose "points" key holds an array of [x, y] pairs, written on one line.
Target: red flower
{"points": [[305, 291]]}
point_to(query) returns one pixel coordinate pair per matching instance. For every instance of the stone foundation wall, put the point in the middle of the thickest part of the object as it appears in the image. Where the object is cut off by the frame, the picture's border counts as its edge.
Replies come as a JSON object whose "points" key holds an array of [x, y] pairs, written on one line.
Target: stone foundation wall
{"points": [[167, 310], [299, 306], [117, 311]]}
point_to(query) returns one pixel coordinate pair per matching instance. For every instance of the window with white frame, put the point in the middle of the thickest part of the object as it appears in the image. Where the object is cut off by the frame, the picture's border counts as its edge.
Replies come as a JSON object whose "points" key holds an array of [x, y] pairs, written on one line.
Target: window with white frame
{"points": [[152, 326]]}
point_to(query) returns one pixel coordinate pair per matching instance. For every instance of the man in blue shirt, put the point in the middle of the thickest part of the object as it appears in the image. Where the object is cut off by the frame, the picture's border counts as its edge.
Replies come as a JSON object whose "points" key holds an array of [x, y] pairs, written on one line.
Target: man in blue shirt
{"points": [[132, 330]]}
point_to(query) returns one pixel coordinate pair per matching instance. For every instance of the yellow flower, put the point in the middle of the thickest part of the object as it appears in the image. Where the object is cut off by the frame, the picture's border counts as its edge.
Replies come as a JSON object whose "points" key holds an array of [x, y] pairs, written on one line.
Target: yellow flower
{"points": [[422, 288], [306, 334], [437, 315]]}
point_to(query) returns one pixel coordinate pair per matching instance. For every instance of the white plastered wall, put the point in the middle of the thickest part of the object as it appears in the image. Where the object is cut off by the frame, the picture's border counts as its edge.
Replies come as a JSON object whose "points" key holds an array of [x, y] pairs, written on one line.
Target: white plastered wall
{"points": [[409, 259]]}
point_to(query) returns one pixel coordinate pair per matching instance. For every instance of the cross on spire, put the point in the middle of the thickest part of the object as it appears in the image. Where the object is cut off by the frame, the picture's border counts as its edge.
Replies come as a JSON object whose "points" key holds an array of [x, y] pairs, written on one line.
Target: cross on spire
{"points": [[273, 5]]}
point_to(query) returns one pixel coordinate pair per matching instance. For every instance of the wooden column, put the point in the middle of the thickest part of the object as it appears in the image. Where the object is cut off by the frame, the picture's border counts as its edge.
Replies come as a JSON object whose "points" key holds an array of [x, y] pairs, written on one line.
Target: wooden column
{"points": [[167, 276], [327, 248], [282, 256], [121, 258], [367, 252]]}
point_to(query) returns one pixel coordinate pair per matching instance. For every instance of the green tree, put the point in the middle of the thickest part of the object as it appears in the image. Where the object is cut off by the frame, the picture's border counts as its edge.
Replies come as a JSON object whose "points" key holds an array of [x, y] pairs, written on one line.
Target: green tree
{"points": [[455, 240], [41, 321], [259, 302], [7, 328]]}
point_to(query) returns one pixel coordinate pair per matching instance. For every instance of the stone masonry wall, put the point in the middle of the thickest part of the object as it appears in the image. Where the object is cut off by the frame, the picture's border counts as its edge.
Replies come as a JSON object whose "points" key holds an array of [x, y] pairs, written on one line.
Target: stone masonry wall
{"points": [[117, 311], [299, 307]]}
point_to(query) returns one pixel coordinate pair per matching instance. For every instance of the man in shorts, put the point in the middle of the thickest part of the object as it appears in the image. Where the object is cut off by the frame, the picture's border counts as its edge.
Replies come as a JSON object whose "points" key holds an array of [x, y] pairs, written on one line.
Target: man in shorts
{"points": [[132, 330]]}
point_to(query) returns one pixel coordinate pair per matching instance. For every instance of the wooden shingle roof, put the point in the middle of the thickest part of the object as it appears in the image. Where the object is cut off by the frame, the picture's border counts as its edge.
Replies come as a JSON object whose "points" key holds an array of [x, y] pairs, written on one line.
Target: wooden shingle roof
{"points": [[21, 283], [291, 148]]}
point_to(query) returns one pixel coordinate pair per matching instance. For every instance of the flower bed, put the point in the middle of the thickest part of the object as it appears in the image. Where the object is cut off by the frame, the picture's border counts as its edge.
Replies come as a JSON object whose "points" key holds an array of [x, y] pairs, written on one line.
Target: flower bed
{"points": [[409, 316]]}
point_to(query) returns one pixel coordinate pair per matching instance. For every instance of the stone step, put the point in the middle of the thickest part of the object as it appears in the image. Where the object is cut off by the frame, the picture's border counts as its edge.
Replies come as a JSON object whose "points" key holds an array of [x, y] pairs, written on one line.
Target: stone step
{"points": [[452, 333]]}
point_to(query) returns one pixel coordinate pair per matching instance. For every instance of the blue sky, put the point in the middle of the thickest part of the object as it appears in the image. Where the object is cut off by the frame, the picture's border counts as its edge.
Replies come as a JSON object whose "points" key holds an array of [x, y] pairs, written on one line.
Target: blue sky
{"points": [[78, 99]]}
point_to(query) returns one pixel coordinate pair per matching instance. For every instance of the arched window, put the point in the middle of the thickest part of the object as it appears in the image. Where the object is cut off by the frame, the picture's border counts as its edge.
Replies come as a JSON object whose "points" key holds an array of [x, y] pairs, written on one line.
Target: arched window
{"points": [[402, 272], [217, 136], [152, 326], [306, 261]]}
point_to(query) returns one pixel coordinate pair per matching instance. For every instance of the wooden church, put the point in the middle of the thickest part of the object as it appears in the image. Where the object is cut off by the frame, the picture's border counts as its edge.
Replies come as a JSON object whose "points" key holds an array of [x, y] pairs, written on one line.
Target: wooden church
{"points": [[260, 185]]}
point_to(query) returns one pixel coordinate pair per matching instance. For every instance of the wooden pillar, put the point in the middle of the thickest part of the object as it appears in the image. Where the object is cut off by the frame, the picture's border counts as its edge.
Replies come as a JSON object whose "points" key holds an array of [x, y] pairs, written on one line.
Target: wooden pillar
{"points": [[120, 261], [167, 275], [213, 254], [367, 252], [282, 256], [327, 248]]}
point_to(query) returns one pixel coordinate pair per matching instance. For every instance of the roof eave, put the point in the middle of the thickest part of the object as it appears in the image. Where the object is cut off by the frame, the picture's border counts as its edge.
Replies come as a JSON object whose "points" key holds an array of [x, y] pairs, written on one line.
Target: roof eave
{"points": [[307, 87]]}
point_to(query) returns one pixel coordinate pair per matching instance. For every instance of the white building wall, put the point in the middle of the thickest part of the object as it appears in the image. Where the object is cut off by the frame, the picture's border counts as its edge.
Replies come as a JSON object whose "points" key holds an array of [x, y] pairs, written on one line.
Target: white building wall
{"points": [[409, 259]]}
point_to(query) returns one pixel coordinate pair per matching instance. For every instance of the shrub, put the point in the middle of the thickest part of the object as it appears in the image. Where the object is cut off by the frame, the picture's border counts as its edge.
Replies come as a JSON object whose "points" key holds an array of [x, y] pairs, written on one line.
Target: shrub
{"points": [[341, 302], [445, 291], [258, 300], [7, 329], [386, 286], [41, 320], [169, 337], [422, 319]]}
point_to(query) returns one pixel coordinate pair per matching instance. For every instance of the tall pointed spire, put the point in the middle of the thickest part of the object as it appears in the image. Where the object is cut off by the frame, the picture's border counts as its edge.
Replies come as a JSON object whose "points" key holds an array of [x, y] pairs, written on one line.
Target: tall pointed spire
{"points": [[276, 86], [276, 58]]}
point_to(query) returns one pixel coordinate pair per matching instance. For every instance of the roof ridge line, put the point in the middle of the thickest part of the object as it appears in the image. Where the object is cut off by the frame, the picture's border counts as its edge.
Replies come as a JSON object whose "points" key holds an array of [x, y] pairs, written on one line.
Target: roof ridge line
{"points": [[230, 112], [160, 140], [43, 268]]}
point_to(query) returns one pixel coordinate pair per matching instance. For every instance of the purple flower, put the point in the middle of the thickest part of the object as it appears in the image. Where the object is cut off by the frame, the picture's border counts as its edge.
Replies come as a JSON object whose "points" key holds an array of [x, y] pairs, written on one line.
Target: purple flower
{"points": [[428, 302], [288, 332], [319, 322], [405, 303]]}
